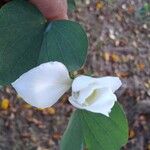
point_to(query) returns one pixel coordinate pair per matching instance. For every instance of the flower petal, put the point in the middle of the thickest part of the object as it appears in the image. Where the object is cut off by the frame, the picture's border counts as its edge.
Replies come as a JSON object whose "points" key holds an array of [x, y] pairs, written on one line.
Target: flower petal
{"points": [[113, 83], [85, 93], [75, 103], [104, 103], [82, 82], [42, 86]]}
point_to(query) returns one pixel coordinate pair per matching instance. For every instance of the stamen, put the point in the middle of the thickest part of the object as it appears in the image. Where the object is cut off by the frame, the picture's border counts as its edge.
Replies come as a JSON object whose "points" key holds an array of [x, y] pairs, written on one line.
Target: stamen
{"points": [[91, 99]]}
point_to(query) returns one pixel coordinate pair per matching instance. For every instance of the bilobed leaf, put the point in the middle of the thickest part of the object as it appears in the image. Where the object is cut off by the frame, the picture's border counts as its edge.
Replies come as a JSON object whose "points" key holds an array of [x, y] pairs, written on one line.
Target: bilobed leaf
{"points": [[71, 5], [100, 132], [64, 41], [73, 136], [21, 34]]}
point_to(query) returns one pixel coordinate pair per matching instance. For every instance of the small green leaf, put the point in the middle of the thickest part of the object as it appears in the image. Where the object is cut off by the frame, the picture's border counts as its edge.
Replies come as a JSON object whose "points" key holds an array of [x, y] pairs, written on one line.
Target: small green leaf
{"points": [[99, 132], [73, 136], [21, 34], [71, 5], [64, 41]]}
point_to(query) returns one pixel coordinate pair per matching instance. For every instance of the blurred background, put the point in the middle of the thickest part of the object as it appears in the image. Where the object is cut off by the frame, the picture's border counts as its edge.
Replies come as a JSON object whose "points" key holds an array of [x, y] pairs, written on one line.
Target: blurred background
{"points": [[119, 44]]}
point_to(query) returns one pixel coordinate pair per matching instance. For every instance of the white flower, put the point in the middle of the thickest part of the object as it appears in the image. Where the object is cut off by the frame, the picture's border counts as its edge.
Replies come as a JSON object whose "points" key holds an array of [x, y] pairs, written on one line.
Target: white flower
{"points": [[44, 85], [95, 94]]}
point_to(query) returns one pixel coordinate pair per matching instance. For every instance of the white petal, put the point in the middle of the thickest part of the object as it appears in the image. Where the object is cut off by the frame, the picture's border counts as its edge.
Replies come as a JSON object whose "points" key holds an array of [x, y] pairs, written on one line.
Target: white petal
{"points": [[73, 101], [85, 93], [44, 85], [114, 83], [104, 103], [82, 82]]}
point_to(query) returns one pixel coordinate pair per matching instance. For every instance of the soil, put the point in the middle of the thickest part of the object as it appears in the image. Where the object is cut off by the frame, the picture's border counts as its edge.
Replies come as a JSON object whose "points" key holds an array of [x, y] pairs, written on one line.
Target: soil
{"points": [[119, 44]]}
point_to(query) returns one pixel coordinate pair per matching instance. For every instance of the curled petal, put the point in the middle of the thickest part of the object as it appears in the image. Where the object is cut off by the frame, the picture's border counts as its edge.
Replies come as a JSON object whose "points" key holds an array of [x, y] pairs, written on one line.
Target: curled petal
{"points": [[85, 93], [103, 103], [82, 82], [114, 83], [42, 86]]}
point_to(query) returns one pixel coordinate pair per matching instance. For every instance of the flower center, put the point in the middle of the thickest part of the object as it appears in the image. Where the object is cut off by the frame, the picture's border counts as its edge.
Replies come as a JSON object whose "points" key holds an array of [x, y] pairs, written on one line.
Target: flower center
{"points": [[91, 99]]}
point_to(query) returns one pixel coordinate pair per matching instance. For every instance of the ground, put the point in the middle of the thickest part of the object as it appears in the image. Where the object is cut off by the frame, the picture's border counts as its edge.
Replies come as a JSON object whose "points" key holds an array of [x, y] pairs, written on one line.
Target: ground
{"points": [[119, 44]]}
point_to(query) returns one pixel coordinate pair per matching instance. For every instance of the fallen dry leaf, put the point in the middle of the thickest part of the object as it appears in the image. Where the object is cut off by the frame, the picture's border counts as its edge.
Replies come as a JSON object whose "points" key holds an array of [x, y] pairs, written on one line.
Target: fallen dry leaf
{"points": [[56, 136], [49, 111], [115, 58], [132, 134], [5, 104], [140, 66], [122, 74], [99, 5], [106, 56]]}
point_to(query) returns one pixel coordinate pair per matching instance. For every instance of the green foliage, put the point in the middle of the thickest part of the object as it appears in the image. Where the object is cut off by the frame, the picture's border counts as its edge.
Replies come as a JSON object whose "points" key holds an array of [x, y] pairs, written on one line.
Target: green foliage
{"points": [[73, 137], [71, 5], [22, 28], [145, 9], [143, 14], [21, 34], [99, 132], [66, 42], [27, 40]]}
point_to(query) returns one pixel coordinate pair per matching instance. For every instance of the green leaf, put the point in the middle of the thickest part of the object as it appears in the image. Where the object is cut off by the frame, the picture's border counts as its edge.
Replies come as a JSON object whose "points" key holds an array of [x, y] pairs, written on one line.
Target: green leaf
{"points": [[73, 136], [145, 9], [64, 41], [99, 132], [21, 34], [71, 5]]}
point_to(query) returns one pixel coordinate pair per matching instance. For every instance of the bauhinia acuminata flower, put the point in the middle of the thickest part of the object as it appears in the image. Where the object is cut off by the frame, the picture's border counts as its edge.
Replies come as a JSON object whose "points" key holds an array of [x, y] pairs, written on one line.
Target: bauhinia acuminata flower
{"points": [[95, 94], [44, 85]]}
